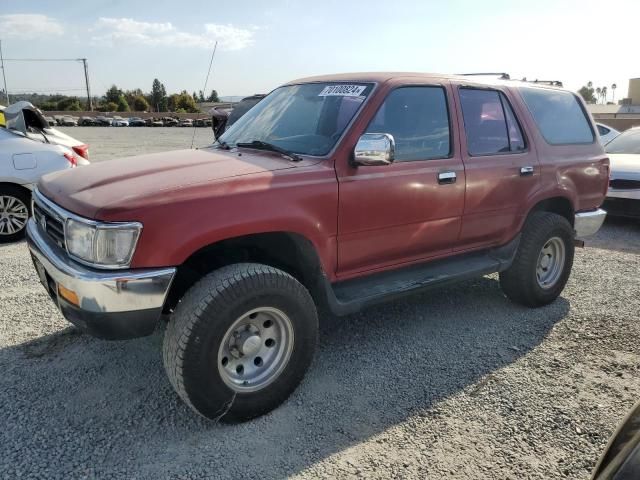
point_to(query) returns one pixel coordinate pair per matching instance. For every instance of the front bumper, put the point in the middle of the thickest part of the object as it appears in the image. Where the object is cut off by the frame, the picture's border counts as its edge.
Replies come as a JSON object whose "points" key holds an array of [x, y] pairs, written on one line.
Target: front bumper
{"points": [[588, 223], [107, 304]]}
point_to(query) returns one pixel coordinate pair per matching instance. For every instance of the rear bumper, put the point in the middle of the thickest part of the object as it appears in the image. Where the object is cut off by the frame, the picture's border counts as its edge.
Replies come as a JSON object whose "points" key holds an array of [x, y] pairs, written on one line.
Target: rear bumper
{"points": [[588, 223], [107, 304]]}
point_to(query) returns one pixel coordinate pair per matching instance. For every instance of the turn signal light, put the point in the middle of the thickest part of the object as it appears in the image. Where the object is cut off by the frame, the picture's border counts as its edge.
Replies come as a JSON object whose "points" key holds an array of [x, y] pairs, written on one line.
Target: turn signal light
{"points": [[69, 295]]}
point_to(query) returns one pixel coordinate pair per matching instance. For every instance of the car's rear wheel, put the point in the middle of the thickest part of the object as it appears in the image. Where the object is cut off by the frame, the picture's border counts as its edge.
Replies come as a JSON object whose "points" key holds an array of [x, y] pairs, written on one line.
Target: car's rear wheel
{"points": [[14, 213], [543, 262], [240, 341]]}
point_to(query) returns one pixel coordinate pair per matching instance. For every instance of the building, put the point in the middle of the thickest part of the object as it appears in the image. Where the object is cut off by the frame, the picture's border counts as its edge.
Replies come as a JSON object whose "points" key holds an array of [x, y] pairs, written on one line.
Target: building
{"points": [[622, 116]]}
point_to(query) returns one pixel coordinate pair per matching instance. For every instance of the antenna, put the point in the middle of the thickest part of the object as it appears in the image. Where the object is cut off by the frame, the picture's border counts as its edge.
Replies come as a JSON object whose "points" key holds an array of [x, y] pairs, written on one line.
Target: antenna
{"points": [[204, 90]]}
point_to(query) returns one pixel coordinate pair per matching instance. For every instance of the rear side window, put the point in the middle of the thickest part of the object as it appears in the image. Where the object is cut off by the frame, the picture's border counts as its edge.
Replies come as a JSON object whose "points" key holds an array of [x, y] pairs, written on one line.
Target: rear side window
{"points": [[418, 119], [489, 123], [559, 116], [602, 130]]}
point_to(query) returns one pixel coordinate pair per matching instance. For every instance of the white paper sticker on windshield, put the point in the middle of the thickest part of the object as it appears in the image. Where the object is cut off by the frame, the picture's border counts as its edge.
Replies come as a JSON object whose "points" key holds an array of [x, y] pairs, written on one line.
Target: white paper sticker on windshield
{"points": [[342, 91]]}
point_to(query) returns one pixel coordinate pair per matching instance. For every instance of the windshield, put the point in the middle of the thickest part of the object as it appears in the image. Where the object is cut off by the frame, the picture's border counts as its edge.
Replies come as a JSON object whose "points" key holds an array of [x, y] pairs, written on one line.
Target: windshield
{"points": [[626, 142], [306, 119]]}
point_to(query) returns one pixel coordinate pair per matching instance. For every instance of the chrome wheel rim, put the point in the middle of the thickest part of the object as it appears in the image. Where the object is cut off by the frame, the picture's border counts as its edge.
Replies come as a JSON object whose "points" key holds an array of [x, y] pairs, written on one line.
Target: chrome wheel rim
{"points": [[550, 262], [13, 215], [255, 349]]}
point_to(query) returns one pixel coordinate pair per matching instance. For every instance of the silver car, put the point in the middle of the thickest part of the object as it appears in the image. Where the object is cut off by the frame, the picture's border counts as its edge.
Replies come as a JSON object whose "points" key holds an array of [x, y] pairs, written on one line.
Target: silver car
{"points": [[623, 197]]}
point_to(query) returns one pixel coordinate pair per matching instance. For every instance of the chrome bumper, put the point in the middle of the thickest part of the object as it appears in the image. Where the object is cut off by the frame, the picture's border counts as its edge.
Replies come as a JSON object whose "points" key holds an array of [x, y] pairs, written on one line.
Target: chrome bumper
{"points": [[588, 223], [108, 304]]}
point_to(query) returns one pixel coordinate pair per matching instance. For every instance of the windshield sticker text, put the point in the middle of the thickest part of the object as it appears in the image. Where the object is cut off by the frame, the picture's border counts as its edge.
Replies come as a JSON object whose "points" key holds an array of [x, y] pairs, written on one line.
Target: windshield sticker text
{"points": [[342, 91]]}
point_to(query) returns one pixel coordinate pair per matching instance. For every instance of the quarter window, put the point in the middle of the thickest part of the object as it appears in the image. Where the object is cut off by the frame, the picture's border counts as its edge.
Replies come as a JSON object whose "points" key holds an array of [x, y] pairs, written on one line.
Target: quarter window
{"points": [[418, 119], [559, 116], [490, 124]]}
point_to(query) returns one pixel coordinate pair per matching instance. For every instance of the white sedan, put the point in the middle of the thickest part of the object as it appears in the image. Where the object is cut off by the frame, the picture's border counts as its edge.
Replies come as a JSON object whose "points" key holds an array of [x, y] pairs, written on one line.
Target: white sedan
{"points": [[623, 197]]}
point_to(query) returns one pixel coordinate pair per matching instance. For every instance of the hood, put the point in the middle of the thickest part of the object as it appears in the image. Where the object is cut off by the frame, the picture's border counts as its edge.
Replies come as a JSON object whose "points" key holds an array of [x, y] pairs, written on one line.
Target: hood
{"points": [[625, 165], [132, 182]]}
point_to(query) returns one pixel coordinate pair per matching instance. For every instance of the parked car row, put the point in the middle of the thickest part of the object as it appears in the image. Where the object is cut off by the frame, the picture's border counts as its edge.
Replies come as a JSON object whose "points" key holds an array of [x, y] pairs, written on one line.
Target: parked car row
{"points": [[118, 121]]}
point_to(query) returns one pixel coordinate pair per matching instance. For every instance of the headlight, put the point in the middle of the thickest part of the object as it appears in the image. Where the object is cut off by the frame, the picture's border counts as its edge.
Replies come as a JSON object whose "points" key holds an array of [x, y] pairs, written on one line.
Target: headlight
{"points": [[103, 245]]}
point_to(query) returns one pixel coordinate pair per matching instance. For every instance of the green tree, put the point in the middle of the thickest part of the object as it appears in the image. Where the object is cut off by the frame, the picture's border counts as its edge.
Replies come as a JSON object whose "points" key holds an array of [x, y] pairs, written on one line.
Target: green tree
{"points": [[613, 91], [107, 107], [123, 106], [201, 96], [586, 92], [140, 104], [213, 97], [49, 106], [113, 94], [159, 96], [69, 104]]}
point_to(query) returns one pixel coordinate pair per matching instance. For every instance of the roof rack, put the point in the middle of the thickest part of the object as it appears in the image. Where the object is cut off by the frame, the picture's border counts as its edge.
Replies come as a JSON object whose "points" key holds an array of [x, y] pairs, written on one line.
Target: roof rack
{"points": [[502, 75], [506, 76]]}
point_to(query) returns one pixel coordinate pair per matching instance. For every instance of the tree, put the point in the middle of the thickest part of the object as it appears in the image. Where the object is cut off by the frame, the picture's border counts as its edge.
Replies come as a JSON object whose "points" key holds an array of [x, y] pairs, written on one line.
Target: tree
{"points": [[195, 96], [107, 107], [598, 93], [159, 96], [201, 96], [213, 97], [113, 94], [604, 94], [140, 104], [70, 104], [123, 106], [613, 91], [587, 93]]}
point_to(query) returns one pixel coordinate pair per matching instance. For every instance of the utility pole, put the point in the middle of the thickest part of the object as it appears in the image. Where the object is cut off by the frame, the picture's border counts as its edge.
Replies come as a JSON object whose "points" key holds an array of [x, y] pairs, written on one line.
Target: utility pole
{"points": [[86, 79], [4, 77]]}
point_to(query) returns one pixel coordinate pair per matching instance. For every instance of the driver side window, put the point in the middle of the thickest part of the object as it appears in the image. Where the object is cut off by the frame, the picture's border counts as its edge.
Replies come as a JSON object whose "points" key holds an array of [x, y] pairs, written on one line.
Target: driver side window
{"points": [[418, 119]]}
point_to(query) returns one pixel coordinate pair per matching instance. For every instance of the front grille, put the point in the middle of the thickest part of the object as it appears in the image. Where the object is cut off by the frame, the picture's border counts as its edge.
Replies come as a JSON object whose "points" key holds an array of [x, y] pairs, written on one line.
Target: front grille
{"points": [[623, 184], [51, 224]]}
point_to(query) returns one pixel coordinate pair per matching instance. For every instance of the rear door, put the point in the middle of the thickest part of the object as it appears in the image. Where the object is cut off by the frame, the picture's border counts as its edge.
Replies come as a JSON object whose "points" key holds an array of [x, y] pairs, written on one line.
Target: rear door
{"points": [[409, 210], [501, 164]]}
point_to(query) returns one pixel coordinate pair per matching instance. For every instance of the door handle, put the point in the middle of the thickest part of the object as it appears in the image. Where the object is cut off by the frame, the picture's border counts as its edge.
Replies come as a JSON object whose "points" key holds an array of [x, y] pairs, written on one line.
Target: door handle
{"points": [[524, 171], [446, 177]]}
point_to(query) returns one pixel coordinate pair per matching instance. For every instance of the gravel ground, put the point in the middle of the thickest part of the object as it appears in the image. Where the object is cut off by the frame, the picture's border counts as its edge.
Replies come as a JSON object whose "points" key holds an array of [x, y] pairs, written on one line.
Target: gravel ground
{"points": [[107, 143], [456, 383]]}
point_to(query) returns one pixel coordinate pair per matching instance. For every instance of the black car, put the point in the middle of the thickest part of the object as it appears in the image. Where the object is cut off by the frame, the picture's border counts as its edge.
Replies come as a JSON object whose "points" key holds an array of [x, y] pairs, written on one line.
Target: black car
{"points": [[137, 122]]}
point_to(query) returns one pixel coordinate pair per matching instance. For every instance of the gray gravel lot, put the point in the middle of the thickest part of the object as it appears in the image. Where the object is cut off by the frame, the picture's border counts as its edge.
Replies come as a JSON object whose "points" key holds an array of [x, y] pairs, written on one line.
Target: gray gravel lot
{"points": [[454, 383]]}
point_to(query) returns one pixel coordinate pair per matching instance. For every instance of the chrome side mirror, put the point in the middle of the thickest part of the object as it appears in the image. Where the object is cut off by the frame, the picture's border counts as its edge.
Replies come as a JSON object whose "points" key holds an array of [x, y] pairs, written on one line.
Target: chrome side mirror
{"points": [[374, 149]]}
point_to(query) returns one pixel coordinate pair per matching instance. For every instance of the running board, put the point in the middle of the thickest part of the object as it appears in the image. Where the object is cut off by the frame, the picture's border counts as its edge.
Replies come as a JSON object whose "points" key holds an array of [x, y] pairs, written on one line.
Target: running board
{"points": [[351, 296]]}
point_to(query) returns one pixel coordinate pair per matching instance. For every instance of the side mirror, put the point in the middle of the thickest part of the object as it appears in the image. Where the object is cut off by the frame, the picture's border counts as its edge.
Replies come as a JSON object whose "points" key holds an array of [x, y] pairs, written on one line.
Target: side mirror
{"points": [[621, 458], [374, 149]]}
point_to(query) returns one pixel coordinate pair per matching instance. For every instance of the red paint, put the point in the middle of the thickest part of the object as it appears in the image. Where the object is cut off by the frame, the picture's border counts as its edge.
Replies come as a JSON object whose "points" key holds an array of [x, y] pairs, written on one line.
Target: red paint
{"points": [[359, 219]]}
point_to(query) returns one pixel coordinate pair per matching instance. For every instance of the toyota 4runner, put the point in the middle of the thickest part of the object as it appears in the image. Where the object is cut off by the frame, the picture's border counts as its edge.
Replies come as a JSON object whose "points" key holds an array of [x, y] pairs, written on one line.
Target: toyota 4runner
{"points": [[333, 192]]}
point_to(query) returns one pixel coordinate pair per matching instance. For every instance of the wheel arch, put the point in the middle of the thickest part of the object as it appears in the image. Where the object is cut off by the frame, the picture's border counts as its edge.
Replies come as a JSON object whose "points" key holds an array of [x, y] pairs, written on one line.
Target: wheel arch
{"points": [[558, 204], [287, 251]]}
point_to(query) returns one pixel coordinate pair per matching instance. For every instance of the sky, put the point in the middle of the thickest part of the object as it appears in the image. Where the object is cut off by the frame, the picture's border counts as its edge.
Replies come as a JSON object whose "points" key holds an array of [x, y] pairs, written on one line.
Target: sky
{"points": [[264, 44]]}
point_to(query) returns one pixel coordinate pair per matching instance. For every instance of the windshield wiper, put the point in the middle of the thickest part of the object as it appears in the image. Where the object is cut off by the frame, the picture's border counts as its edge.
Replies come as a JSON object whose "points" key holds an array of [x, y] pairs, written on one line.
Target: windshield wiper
{"points": [[223, 145], [260, 145]]}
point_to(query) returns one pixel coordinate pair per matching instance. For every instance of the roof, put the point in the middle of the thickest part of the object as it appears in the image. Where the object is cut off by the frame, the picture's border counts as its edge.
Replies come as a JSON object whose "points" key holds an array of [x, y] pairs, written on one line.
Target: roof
{"points": [[380, 77]]}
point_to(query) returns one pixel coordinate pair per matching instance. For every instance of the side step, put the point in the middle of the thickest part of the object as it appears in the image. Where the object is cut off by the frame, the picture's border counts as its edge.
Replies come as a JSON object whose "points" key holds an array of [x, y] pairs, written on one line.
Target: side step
{"points": [[351, 296]]}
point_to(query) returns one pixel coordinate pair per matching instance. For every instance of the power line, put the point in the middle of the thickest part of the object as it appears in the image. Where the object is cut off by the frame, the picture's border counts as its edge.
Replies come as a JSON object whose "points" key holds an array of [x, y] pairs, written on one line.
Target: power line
{"points": [[44, 59]]}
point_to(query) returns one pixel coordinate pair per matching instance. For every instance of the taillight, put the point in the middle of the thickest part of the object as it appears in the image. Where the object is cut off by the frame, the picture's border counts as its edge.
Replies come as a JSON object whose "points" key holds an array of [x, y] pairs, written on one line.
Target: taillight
{"points": [[82, 150], [72, 158]]}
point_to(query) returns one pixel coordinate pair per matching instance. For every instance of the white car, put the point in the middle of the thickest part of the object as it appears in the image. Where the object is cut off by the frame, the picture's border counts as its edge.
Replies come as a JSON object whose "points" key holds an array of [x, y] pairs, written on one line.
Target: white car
{"points": [[24, 119], [120, 122], [606, 133], [22, 163], [623, 197]]}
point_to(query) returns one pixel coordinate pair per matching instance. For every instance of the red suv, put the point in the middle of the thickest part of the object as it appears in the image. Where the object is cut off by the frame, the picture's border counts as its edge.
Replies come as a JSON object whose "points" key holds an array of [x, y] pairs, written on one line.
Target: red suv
{"points": [[339, 192]]}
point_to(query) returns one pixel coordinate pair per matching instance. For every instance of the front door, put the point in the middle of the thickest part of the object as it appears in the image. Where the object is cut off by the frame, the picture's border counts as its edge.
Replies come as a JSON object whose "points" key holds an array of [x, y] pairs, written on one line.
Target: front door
{"points": [[410, 210]]}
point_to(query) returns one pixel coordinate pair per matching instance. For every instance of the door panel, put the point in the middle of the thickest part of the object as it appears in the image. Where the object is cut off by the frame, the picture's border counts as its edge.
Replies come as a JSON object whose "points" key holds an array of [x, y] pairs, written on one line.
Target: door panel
{"points": [[496, 190], [400, 213]]}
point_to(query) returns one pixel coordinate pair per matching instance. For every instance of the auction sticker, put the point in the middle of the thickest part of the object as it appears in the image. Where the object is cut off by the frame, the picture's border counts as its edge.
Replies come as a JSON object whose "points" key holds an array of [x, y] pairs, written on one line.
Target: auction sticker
{"points": [[342, 91]]}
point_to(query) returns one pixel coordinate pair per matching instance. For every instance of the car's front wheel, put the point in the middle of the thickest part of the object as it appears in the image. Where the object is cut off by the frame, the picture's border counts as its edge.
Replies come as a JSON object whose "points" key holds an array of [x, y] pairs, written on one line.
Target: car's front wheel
{"points": [[240, 341], [14, 213]]}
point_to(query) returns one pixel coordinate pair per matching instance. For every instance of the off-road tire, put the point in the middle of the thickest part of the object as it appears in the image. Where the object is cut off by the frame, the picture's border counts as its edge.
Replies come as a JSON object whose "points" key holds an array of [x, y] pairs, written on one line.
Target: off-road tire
{"points": [[22, 195], [198, 326], [519, 281]]}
